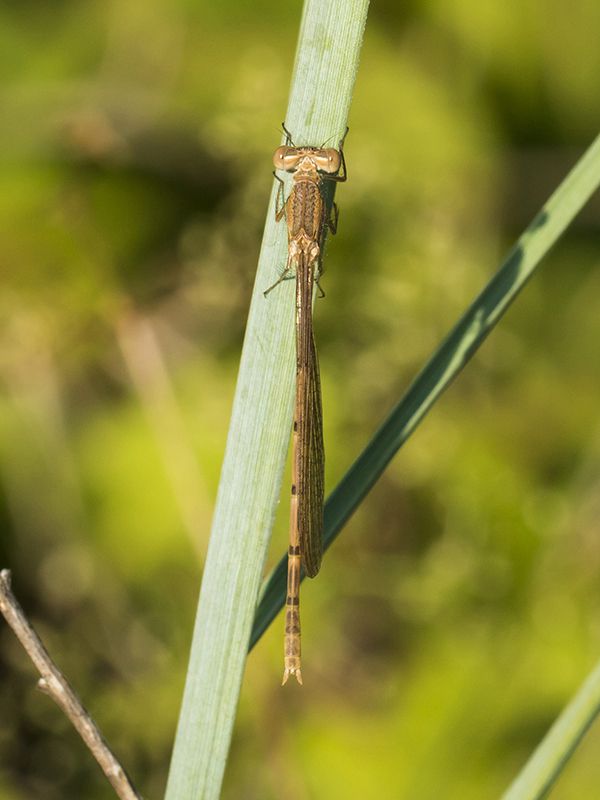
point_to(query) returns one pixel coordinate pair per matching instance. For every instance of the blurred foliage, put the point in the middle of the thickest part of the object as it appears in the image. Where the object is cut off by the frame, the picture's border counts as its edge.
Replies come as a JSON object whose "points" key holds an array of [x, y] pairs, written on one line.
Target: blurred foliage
{"points": [[459, 611]]}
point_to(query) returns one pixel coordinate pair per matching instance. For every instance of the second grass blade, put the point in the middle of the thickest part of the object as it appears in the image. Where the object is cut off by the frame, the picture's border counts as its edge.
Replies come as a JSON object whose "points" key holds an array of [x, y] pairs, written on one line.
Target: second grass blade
{"points": [[446, 362]]}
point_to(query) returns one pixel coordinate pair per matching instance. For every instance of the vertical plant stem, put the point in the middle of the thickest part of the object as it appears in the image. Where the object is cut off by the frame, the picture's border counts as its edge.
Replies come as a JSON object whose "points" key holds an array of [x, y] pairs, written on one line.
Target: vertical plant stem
{"points": [[324, 74]]}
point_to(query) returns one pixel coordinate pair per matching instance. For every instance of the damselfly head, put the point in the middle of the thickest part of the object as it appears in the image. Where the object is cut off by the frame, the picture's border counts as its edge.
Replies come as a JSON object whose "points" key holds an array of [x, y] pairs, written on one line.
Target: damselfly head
{"points": [[289, 159]]}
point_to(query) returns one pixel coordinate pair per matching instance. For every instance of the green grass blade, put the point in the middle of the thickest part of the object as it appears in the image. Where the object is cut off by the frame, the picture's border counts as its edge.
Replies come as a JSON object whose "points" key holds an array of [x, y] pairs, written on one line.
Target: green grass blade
{"points": [[445, 363], [545, 765], [324, 74]]}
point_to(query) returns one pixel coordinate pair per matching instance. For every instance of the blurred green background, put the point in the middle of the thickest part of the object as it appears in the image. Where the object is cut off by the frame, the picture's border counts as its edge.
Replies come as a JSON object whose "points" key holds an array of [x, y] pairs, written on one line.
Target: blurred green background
{"points": [[460, 608]]}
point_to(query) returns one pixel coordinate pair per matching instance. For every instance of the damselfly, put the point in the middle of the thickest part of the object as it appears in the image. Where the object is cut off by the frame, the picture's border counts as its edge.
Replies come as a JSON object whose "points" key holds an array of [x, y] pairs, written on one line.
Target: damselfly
{"points": [[308, 217]]}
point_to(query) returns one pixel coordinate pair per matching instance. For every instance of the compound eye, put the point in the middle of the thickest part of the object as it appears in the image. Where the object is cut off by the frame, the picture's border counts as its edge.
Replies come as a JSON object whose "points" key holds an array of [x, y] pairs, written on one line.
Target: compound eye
{"points": [[285, 158], [333, 159], [327, 160]]}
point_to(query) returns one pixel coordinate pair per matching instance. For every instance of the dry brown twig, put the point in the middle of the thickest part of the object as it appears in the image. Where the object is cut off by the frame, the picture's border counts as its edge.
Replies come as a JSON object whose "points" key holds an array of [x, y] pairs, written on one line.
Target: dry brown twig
{"points": [[54, 684]]}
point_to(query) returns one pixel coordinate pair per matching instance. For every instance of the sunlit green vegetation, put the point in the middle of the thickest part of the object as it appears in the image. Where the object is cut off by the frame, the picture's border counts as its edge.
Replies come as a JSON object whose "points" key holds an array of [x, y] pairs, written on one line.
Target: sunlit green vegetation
{"points": [[457, 612]]}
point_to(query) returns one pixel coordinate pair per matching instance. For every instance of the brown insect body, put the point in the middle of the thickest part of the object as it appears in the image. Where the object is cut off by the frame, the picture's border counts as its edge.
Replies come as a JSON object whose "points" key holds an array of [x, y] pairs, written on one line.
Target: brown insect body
{"points": [[307, 219]]}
